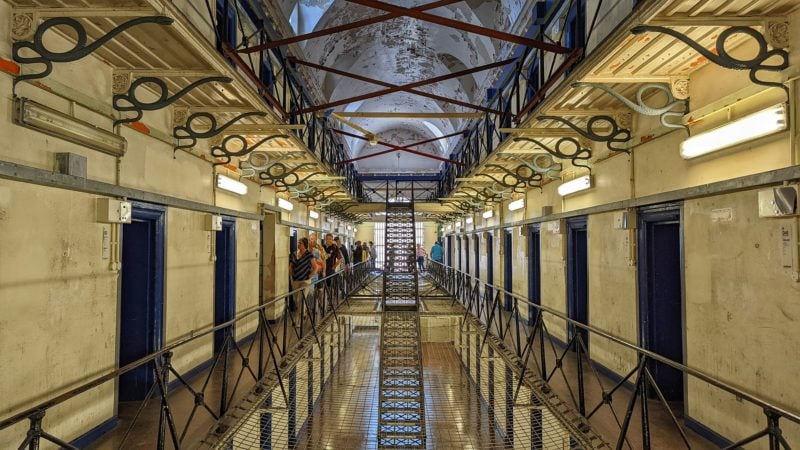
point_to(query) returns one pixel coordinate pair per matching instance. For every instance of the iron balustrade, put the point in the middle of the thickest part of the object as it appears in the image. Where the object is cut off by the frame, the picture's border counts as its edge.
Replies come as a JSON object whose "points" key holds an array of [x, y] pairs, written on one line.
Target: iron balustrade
{"points": [[529, 339], [271, 340], [533, 77]]}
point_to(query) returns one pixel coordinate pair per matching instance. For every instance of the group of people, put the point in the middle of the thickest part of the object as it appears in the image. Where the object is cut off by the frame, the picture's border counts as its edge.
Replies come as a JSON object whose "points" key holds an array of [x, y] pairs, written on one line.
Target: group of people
{"points": [[437, 254], [314, 261]]}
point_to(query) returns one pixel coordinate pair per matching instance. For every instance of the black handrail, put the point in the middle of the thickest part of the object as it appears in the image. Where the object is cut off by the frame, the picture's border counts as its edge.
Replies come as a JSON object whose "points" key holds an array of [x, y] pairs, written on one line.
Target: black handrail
{"points": [[441, 271], [355, 270]]}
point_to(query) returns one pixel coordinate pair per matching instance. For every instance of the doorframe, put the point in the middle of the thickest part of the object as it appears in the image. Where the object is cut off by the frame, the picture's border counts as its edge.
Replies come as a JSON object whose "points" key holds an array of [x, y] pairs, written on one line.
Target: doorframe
{"points": [[576, 224], [230, 223], [508, 264], [490, 263], [157, 214], [659, 213], [476, 268], [534, 276], [450, 250]]}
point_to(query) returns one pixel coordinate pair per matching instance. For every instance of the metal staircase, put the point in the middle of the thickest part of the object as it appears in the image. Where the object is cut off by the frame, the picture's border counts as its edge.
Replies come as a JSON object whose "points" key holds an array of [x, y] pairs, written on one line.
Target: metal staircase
{"points": [[401, 409]]}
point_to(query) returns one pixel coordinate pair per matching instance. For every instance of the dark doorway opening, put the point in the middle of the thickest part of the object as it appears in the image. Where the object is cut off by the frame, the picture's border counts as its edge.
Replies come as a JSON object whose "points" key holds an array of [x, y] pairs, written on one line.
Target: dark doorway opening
{"points": [[450, 251], [489, 263], [661, 294], [142, 302], [534, 272], [508, 268], [577, 277], [224, 280], [466, 255], [460, 267], [477, 244]]}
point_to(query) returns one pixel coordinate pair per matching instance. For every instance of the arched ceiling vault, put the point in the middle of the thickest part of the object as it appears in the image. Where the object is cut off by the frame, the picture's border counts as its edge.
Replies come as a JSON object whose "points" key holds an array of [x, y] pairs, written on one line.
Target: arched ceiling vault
{"points": [[401, 51]]}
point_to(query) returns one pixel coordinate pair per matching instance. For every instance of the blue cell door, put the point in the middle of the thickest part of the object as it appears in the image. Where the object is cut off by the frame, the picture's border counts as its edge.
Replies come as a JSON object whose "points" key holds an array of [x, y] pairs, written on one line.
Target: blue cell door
{"points": [[661, 294], [577, 276], [450, 251], [477, 244], [224, 280], [142, 299], [489, 262], [508, 268], [534, 272]]}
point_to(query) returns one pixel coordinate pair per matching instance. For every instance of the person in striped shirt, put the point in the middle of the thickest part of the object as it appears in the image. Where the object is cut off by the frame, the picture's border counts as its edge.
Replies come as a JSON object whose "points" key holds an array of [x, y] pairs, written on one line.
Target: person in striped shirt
{"points": [[302, 268]]}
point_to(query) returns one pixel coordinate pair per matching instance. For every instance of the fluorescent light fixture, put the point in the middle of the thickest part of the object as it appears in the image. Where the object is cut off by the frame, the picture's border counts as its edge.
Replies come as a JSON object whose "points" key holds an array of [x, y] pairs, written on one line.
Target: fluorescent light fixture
{"points": [[469, 220], [573, 186], [330, 220], [355, 230], [285, 204], [763, 123], [35, 116], [449, 227], [516, 204], [349, 227], [229, 184], [313, 214], [488, 214]]}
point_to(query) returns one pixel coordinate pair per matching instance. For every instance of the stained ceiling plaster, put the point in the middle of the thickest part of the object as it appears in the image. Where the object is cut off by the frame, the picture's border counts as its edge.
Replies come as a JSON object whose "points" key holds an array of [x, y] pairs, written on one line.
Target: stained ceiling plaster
{"points": [[400, 51]]}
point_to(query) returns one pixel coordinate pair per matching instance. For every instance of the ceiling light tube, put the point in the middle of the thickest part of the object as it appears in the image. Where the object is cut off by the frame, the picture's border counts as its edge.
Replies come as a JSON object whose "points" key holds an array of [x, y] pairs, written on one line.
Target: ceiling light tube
{"points": [[576, 185], [313, 214], [488, 214], [516, 204], [285, 204], [35, 116], [762, 123], [231, 185], [469, 220]]}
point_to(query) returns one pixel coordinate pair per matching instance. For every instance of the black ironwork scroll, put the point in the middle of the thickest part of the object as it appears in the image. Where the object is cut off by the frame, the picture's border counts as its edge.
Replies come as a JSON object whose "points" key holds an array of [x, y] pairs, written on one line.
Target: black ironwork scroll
{"points": [[129, 102], [78, 51], [226, 153], [187, 131], [616, 135], [722, 58], [573, 151]]}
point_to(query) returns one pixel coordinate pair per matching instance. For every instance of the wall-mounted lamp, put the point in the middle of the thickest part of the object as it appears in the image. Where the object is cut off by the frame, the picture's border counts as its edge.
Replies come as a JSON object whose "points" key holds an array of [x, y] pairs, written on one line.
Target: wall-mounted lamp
{"points": [[231, 185], [488, 214], [469, 220], [516, 204], [285, 204], [349, 227], [355, 230], [576, 185], [449, 227], [313, 214], [30, 114], [762, 123]]}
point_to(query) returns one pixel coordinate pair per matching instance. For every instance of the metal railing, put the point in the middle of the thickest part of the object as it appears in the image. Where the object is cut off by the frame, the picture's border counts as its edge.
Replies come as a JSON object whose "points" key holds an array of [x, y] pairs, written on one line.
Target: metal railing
{"points": [[528, 337], [272, 339]]}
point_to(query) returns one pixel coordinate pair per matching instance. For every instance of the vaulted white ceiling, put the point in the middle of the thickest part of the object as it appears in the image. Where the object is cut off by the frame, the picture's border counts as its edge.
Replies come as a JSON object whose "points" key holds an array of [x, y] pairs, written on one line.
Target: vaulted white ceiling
{"points": [[401, 51]]}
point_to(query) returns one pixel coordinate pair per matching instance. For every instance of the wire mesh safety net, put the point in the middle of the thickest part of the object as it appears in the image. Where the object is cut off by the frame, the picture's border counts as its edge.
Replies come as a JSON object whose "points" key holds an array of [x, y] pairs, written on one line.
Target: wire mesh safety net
{"points": [[468, 404]]}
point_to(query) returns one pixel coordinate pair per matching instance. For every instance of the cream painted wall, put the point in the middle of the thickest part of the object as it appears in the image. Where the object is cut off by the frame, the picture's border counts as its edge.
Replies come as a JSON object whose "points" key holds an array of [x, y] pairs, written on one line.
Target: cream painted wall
{"points": [[188, 286], [248, 250], [742, 311], [612, 292], [59, 298]]}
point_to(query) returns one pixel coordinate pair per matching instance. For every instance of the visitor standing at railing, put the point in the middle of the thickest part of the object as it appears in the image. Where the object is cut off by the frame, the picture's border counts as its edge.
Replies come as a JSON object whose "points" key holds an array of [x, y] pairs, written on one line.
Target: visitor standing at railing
{"points": [[333, 259], [437, 252], [373, 255], [345, 254], [357, 253], [421, 254], [301, 265]]}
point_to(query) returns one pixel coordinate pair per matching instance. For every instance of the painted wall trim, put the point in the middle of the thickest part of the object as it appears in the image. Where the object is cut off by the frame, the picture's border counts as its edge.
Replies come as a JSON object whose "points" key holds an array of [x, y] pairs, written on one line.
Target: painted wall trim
{"points": [[747, 182], [707, 433], [27, 174], [92, 435]]}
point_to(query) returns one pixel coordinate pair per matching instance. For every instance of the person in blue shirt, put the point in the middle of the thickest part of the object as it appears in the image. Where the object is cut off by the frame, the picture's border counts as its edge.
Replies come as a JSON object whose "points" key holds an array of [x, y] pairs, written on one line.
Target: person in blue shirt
{"points": [[437, 252]]}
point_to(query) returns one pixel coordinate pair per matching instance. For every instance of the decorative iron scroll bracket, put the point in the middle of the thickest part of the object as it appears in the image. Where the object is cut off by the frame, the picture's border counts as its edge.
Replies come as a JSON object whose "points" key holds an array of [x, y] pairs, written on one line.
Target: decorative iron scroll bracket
{"points": [[722, 58], [129, 102], [665, 111], [617, 134], [187, 131], [552, 169], [575, 152], [522, 174], [78, 51], [223, 151]]}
